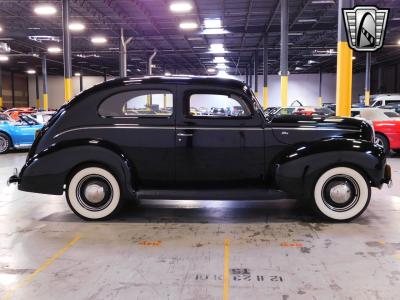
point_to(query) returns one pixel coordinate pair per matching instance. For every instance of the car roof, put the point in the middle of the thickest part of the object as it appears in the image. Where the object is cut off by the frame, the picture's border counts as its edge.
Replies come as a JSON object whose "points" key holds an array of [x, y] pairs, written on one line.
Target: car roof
{"points": [[178, 79]]}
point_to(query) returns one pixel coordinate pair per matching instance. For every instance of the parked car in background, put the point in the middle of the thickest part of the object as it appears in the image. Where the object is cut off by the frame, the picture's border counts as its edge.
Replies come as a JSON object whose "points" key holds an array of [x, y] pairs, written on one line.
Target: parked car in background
{"points": [[18, 134], [5, 118], [16, 112], [393, 106], [385, 99], [271, 110], [387, 127], [304, 111], [43, 116], [100, 155]]}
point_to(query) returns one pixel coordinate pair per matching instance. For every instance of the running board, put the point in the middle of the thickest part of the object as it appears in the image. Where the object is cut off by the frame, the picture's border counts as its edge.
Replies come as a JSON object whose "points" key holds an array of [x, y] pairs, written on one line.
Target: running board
{"points": [[214, 194]]}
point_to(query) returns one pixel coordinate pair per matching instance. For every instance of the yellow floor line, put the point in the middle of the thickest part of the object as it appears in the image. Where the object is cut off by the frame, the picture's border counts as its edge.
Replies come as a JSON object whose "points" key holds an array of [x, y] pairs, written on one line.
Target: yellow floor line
{"points": [[226, 269], [41, 268]]}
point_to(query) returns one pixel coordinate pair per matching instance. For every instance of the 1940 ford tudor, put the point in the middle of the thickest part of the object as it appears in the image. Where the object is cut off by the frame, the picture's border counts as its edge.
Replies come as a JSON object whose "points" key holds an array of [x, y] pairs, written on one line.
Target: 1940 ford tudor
{"points": [[198, 137]]}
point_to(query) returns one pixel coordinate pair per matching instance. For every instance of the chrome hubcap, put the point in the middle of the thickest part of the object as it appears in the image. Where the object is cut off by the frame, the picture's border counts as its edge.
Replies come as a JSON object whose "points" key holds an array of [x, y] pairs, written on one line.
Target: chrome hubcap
{"points": [[94, 193], [340, 193], [379, 142]]}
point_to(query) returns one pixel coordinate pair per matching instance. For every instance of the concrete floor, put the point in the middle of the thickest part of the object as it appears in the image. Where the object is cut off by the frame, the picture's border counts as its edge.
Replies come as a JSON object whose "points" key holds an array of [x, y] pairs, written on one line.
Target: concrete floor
{"points": [[181, 249]]}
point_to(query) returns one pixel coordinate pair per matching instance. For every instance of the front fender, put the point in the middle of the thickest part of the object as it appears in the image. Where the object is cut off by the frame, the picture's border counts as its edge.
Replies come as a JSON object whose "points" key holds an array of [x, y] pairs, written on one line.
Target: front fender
{"points": [[47, 171], [297, 168]]}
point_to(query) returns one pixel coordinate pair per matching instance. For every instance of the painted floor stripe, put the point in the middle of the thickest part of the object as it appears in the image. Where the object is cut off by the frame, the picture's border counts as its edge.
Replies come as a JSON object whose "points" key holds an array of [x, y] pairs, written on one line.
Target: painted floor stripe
{"points": [[41, 268], [226, 269]]}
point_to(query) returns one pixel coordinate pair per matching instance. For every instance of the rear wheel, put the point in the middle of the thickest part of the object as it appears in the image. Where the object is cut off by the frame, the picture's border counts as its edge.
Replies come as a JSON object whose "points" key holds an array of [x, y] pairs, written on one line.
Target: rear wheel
{"points": [[341, 194], [382, 141], [93, 193], [5, 143]]}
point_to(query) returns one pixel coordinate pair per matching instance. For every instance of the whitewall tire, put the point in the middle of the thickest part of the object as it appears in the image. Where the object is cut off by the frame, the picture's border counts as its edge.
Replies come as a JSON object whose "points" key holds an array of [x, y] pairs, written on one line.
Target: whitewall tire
{"points": [[93, 193], [341, 194]]}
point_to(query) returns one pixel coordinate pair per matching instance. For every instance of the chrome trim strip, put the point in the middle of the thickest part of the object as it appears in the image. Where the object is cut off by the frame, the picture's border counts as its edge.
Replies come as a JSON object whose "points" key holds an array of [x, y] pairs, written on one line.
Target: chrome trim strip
{"points": [[317, 128], [111, 127], [137, 126]]}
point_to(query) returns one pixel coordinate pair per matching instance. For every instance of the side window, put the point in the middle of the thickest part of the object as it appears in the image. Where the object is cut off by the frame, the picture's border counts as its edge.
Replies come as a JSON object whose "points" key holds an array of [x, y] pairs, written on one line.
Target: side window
{"points": [[217, 106], [390, 102], [142, 103]]}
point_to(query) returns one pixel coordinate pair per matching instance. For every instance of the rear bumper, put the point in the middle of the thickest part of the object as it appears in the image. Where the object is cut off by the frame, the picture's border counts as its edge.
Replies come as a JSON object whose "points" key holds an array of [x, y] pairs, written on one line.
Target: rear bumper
{"points": [[14, 178]]}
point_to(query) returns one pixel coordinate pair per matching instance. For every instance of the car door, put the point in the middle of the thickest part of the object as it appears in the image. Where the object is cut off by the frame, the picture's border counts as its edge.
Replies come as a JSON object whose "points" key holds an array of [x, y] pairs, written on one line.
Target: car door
{"points": [[220, 146], [141, 122]]}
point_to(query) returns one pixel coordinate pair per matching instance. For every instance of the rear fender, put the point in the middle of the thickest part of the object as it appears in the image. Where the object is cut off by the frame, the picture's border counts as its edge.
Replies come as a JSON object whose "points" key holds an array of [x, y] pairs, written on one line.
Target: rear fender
{"points": [[48, 171]]}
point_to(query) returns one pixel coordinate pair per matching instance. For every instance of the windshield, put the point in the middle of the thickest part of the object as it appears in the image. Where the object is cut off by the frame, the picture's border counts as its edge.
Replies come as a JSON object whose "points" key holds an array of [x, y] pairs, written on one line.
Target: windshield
{"points": [[28, 120]]}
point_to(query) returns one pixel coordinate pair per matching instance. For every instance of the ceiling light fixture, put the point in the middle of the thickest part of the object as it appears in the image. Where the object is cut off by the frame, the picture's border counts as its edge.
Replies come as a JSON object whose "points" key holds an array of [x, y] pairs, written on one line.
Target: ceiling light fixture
{"points": [[353, 58], [222, 66], [219, 59], [217, 48], [180, 7], [4, 58], [212, 23], [45, 10], [323, 2], [167, 74], [1, 29], [54, 49], [76, 26], [307, 20], [295, 33], [99, 40], [77, 74], [31, 71], [211, 70], [188, 25]]}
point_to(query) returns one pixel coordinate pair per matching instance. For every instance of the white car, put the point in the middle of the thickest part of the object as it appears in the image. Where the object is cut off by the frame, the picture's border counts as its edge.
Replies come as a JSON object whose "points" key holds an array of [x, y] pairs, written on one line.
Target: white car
{"points": [[43, 116], [385, 99]]}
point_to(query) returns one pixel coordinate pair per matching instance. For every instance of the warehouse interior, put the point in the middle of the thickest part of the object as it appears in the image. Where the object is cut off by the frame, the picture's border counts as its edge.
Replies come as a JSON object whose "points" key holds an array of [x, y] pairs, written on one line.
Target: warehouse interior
{"points": [[289, 53]]}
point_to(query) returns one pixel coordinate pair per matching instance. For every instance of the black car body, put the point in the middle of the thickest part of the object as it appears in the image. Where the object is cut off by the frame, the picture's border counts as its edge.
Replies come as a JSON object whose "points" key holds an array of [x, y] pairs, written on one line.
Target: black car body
{"points": [[173, 149]]}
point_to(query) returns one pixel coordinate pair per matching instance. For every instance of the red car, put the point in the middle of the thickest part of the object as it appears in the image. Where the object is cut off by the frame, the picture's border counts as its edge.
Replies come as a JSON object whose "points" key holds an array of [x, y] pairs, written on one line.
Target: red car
{"points": [[387, 127], [16, 112]]}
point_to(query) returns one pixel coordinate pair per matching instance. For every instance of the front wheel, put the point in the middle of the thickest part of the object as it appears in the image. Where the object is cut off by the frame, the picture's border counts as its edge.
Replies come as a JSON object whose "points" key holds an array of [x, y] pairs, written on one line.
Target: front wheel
{"points": [[5, 143], [341, 194], [382, 141], [93, 193]]}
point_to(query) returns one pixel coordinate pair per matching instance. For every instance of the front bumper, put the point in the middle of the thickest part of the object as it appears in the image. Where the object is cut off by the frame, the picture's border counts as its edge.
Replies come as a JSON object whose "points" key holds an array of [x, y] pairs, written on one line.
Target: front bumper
{"points": [[388, 176]]}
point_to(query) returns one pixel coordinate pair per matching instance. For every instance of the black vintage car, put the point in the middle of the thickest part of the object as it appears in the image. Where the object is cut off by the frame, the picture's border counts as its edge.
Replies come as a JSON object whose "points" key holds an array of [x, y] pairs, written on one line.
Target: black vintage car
{"points": [[119, 141]]}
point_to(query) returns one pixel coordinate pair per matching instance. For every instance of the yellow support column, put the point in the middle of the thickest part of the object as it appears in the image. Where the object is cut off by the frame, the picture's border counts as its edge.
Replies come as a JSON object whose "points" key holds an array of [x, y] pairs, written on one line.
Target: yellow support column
{"points": [[367, 98], [265, 71], [1, 101], [284, 91], [68, 89], [320, 101], [344, 70], [265, 97], [344, 80], [45, 101], [284, 52], [367, 78]]}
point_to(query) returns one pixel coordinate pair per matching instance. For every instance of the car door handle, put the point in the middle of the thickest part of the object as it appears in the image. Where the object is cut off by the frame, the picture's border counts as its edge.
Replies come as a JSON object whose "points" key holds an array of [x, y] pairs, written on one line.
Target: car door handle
{"points": [[184, 134]]}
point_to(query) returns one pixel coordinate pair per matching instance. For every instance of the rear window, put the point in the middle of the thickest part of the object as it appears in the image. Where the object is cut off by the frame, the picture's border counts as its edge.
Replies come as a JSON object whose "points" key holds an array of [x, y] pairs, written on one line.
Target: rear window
{"points": [[140, 103]]}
